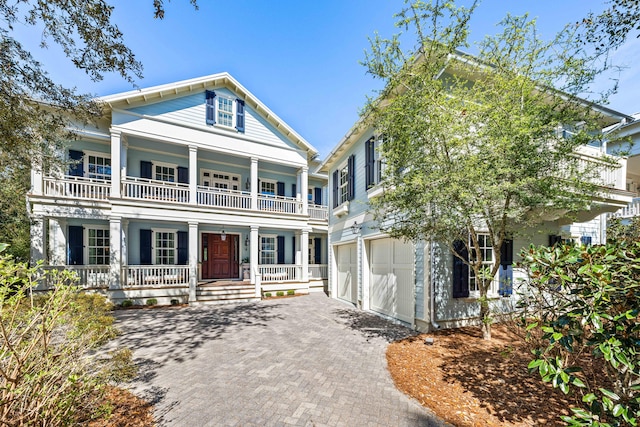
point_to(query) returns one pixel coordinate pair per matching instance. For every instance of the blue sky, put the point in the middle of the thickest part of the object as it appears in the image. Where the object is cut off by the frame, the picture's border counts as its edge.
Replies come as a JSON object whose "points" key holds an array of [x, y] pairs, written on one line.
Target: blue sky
{"points": [[301, 58]]}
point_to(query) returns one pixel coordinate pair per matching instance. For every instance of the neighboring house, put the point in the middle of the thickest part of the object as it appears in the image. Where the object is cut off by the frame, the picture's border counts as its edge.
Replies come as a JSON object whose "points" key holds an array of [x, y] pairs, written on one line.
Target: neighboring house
{"points": [[180, 186], [422, 284]]}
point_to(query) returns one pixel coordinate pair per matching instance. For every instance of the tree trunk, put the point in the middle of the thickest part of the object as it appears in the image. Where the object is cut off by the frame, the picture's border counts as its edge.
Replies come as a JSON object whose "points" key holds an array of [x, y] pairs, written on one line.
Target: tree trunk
{"points": [[485, 317]]}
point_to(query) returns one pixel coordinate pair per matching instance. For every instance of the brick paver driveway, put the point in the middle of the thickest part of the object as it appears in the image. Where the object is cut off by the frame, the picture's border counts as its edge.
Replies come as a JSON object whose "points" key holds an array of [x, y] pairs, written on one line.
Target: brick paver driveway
{"points": [[308, 360]]}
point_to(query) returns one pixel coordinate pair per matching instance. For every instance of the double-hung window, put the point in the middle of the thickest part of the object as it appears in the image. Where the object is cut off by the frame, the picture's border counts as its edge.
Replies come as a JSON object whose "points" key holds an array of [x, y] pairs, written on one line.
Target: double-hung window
{"points": [[268, 250], [486, 252], [98, 246], [268, 187], [164, 172], [164, 247], [343, 185], [98, 166], [225, 111], [343, 182], [222, 110]]}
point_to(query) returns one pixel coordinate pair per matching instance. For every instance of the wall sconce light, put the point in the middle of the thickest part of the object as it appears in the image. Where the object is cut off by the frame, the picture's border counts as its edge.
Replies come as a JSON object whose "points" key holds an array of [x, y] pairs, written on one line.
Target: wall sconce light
{"points": [[223, 236], [247, 185], [246, 242], [355, 228]]}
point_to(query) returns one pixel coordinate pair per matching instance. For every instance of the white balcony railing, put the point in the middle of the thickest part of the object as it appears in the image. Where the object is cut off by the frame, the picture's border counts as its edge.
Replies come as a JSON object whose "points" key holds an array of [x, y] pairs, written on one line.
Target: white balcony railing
{"points": [[149, 189], [77, 187], [629, 211], [318, 212], [280, 204], [224, 198], [89, 276], [154, 275], [608, 175], [318, 271], [280, 272]]}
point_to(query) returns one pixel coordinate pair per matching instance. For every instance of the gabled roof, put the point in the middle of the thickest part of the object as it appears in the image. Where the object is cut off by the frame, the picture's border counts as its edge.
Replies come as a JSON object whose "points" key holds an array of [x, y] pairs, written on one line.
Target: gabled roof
{"points": [[609, 116], [157, 93]]}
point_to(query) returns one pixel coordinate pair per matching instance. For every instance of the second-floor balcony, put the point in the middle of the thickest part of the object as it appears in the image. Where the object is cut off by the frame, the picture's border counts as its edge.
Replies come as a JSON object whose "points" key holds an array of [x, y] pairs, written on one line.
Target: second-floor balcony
{"points": [[133, 188], [629, 211]]}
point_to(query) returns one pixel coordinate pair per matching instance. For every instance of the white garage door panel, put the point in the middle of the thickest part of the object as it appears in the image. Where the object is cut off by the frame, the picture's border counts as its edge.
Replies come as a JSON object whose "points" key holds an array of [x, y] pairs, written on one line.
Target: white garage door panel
{"points": [[347, 273], [392, 279]]}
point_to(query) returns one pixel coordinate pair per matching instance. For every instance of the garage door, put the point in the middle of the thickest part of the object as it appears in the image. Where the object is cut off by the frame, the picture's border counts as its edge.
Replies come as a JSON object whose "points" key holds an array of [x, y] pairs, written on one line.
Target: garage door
{"points": [[392, 279], [347, 257]]}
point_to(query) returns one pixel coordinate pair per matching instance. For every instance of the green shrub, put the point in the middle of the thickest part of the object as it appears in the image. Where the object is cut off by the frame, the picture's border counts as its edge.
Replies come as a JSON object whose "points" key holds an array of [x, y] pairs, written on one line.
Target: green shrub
{"points": [[291, 292], [279, 293], [267, 294], [586, 301], [126, 303], [50, 374], [152, 301]]}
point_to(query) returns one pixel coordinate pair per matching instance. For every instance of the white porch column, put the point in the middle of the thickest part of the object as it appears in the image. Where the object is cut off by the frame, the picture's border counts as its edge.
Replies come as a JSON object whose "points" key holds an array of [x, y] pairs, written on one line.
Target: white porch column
{"points": [[115, 254], [57, 242], [193, 260], [304, 183], [116, 149], [254, 188], [124, 244], [253, 254], [193, 174], [38, 239], [304, 248], [36, 177], [123, 157], [299, 192]]}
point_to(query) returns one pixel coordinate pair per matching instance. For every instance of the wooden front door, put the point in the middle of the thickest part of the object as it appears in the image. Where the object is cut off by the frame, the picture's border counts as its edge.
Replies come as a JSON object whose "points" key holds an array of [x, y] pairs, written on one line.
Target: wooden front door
{"points": [[219, 257]]}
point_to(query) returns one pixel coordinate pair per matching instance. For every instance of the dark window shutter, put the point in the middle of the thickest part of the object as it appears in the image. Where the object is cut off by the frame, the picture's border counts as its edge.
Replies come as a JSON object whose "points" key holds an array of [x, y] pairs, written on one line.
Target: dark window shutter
{"points": [[145, 247], [585, 240], [146, 169], [280, 249], [335, 188], [317, 249], [183, 247], [76, 167], [370, 163], [76, 252], [293, 249], [183, 175], [280, 188], [506, 253], [351, 177], [460, 271], [239, 115], [294, 190], [554, 240], [317, 196], [210, 107]]}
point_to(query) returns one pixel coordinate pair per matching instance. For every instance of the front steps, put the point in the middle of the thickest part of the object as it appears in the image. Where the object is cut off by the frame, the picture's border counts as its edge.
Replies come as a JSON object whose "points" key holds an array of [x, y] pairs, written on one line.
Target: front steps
{"points": [[225, 292]]}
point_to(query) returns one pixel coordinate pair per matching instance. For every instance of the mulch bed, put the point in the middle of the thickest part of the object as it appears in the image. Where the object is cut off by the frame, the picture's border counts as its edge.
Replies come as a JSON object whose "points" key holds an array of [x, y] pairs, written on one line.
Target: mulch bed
{"points": [[468, 381], [127, 410]]}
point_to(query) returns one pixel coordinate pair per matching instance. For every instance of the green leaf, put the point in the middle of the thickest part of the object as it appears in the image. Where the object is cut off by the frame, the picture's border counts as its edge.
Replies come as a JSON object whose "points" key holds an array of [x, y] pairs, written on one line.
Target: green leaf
{"points": [[578, 382], [618, 410], [611, 395]]}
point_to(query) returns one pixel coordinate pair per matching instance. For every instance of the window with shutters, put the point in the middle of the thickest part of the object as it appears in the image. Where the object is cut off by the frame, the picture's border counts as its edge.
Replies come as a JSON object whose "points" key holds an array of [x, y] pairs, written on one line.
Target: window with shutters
{"points": [[97, 246], [225, 111], [164, 172], [268, 249], [343, 184], [268, 187], [486, 252], [97, 165], [164, 247]]}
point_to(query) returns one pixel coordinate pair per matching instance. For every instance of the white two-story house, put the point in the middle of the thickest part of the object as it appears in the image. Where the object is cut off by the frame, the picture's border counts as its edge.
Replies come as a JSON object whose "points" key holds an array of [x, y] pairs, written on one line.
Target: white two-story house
{"points": [[181, 189], [422, 283]]}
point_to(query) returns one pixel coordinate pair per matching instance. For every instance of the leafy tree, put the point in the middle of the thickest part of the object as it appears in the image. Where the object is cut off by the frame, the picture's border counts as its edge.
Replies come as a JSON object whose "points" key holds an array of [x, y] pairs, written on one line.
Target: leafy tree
{"points": [[609, 29], [479, 144], [582, 307], [621, 230]]}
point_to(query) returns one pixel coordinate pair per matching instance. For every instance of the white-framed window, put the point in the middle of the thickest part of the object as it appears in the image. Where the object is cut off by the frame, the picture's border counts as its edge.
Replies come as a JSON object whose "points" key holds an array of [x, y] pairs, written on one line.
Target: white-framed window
{"points": [[164, 247], [268, 249], [164, 172], [223, 180], [343, 184], [225, 111], [97, 245], [486, 251], [97, 165], [310, 195], [267, 186]]}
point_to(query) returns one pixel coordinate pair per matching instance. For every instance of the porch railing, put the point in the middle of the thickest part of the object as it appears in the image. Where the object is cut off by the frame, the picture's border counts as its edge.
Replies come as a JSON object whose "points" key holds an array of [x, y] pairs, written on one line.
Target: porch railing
{"points": [[281, 204], [224, 198], [77, 187], [154, 276], [89, 276], [318, 212], [150, 189], [318, 271], [280, 272], [629, 211]]}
